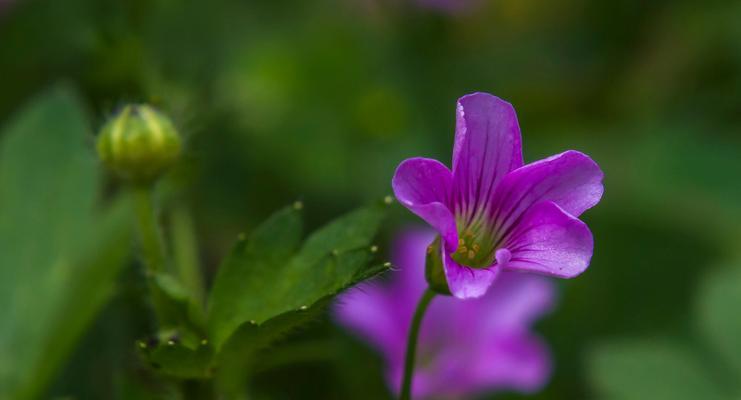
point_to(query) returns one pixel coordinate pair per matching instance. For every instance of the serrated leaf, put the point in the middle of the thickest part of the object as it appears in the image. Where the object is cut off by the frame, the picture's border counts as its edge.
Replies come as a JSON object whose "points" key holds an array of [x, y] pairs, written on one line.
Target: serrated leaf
{"points": [[332, 259], [59, 257], [257, 283], [718, 305], [650, 370], [349, 232], [248, 272]]}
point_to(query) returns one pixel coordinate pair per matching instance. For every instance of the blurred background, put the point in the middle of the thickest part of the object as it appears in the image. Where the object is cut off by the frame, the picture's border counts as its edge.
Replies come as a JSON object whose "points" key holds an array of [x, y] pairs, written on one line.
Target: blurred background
{"points": [[320, 100]]}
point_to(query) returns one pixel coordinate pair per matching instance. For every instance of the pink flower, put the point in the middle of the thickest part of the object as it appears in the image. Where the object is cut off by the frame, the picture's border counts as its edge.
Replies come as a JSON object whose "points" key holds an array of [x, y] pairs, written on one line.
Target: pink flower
{"points": [[494, 213]]}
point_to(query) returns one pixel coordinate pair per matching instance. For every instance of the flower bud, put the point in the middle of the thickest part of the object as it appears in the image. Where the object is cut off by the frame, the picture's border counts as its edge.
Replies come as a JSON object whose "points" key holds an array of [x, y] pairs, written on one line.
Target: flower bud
{"points": [[139, 143], [434, 272]]}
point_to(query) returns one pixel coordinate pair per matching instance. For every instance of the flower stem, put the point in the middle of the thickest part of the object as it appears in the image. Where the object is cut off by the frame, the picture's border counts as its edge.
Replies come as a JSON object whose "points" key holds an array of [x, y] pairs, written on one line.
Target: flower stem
{"points": [[185, 253], [424, 302], [152, 246], [150, 238]]}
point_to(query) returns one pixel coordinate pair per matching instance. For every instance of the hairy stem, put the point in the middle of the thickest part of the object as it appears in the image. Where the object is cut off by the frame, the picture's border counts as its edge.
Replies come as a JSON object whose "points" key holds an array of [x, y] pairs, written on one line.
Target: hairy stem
{"points": [[152, 247]]}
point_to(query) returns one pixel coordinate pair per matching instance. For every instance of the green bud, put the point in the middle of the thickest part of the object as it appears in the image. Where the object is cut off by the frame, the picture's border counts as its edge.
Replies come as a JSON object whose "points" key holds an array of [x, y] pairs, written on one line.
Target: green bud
{"points": [[139, 143], [434, 272]]}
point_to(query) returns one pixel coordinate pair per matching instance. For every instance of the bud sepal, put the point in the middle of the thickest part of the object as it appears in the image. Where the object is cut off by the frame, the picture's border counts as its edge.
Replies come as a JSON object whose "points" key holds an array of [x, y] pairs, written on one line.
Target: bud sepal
{"points": [[434, 272]]}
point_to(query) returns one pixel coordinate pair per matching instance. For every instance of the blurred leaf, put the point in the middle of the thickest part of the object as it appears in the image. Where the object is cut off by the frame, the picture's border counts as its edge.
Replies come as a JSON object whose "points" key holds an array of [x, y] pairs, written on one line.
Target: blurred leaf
{"points": [[720, 321], [682, 162], [59, 257], [180, 304], [650, 370], [172, 288]]}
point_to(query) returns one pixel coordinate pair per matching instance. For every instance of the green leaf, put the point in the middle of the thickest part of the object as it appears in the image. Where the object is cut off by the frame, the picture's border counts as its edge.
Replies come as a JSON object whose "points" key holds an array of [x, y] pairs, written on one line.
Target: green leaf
{"points": [[266, 277], [59, 256], [645, 369], [246, 277], [719, 318], [178, 359], [238, 353], [266, 287], [349, 232]]}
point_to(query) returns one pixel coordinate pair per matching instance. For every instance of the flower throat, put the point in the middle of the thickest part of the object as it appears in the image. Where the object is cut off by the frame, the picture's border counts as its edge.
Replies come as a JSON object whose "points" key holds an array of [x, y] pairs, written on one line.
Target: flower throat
{"points": [[476, 242]]}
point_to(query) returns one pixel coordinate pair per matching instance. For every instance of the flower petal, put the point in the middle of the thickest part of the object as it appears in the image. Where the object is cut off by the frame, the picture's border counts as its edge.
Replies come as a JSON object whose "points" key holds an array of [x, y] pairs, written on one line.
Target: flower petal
{"points": [[570, 179], [423, 186], [465, 282], [408, 253], [516, 301], [487, 146], [473, 351], [518, 361], [550, 241], [364, 310]]}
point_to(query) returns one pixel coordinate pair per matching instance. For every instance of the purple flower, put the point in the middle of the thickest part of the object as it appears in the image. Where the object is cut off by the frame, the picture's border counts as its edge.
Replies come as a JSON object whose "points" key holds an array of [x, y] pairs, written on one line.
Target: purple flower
{"points": [[465, 347], [492, 212]]}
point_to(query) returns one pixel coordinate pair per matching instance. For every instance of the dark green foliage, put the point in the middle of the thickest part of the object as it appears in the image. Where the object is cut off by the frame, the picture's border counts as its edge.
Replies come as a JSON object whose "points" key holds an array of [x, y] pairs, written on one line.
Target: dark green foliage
{"points": [[180, 304], [268, 275], [268, 285], [179, 357]]}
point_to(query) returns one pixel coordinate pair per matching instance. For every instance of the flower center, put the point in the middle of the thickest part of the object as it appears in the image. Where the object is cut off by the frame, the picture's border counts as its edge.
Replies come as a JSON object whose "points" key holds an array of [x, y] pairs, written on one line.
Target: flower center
{"points": [[475, 244]]}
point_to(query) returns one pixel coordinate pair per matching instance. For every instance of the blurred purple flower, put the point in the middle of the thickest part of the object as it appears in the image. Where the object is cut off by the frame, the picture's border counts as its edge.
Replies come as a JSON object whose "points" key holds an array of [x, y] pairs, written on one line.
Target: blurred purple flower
{"points": [[448, 6], [465, 347], [4, 5], [492, 212]]}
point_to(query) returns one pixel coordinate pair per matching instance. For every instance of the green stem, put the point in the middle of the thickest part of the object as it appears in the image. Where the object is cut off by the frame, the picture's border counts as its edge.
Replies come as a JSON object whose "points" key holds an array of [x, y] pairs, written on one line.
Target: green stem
{"points": [[185, 253], [424, 302], [152, 246]]}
